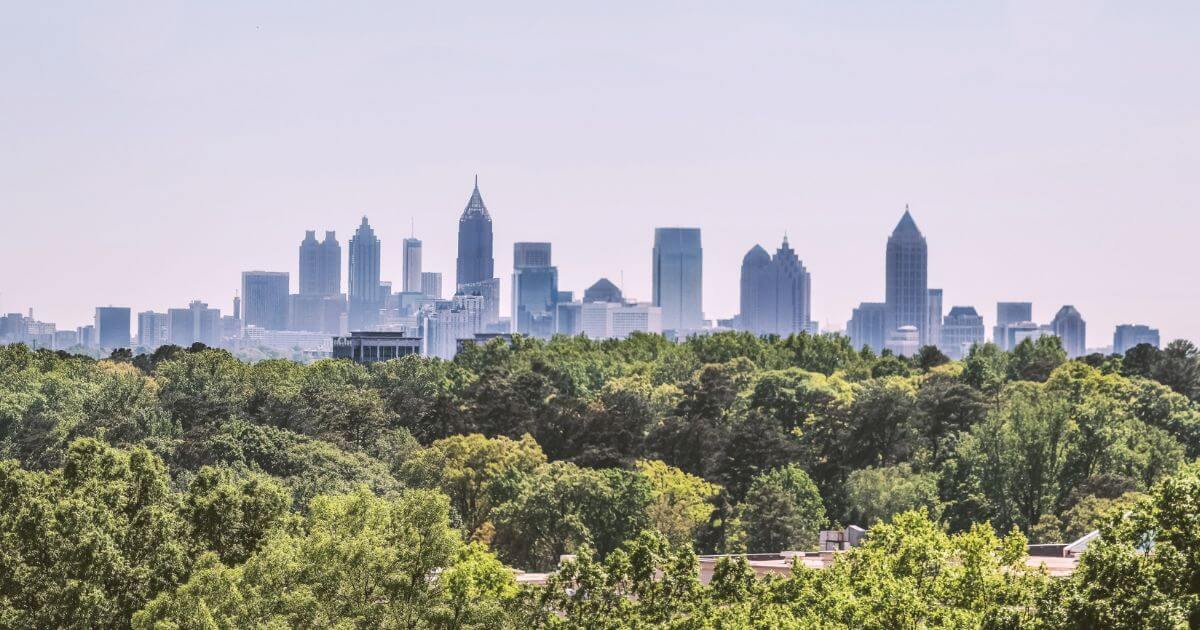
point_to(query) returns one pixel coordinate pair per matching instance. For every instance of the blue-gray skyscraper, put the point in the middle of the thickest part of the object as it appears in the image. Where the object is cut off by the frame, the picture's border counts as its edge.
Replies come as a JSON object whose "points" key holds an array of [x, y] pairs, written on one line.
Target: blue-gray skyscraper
{"points": [[475, 262], [678, 273], [962, 328], [866, 326], [112, 326], [320, 265], [1128, 336], [907, 295], [535, 290], [265, 299], [1068, 324], [365, 293], [776, 293]]}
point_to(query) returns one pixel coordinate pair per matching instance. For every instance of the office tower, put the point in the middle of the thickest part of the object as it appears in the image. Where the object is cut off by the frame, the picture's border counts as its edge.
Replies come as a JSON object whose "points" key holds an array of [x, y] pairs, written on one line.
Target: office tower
{"points": [[603, 290], [112, 326], [1068, 324], [935, 318], [475, 263], [431, 284], [867, 326], [568, 318], [904, 341], [365, 292], [412, 265], [320, 265], [907, 293], [237, 307], [12, 328], [86, 335], [1128, 336], [1008, 314], [195, 324], [775, 292], [489, 290], [630, 318], [677, 281], [962, 328], [152, 329], [266, 299], [316, 313], [64, 339], [535, 290], [447, 321]]}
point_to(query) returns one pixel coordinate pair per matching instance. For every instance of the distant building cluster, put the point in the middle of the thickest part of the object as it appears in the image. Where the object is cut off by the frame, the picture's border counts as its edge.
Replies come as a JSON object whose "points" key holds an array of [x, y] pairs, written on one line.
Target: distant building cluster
{"points": [[371, 321]]}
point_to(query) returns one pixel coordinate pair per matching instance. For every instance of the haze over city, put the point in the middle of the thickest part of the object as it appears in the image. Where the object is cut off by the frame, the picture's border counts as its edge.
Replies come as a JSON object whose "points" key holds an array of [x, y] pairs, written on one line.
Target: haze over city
{"points": [[1048, 153]]}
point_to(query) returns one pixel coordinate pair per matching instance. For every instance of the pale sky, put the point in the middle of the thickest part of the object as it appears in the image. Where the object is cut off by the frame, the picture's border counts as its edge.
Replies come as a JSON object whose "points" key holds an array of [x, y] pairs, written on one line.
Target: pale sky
{"points": [[1050, 152]]}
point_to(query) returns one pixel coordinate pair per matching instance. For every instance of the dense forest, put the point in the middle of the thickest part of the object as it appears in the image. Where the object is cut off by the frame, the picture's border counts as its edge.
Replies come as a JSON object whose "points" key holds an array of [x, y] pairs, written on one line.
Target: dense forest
{"points": [[188, 489]]}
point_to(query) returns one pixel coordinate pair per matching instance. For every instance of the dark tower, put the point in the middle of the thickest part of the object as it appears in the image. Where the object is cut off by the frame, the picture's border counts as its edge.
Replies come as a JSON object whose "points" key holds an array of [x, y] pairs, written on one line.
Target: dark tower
{"points": [[475, 263], [907, 295]]}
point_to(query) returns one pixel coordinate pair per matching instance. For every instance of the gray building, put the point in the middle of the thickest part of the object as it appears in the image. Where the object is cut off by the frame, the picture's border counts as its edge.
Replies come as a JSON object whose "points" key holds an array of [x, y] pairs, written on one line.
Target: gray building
{"points": [[371, 347], [320, 265], [1008, 314], [195, 324], [907, 268], [265, 299], [535, 290], [475, 261], [316, 313], [431, 284], [366, 293], [412, 265], [603, 290], [152, 329], [867, 326], [1068, 324], [489, 290], [961, 329], [1128, 336], [776, 293], [934, 337], [112, 326], [677, 277]]}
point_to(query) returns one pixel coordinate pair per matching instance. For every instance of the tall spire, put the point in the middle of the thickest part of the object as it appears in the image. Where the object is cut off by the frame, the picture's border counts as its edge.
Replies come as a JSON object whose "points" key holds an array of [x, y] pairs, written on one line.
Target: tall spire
{"points": [[907, 226], [475, 205]]}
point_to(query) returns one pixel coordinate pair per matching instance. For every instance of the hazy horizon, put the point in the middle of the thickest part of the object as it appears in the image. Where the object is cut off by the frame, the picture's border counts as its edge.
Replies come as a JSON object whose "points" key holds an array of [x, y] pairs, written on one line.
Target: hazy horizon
{"points": [[1048, 151]]}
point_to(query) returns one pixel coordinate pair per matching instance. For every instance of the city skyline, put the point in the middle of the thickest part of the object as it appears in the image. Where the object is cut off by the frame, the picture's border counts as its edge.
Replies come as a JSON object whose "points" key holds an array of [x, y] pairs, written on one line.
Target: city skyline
{"points": [[1040, 147]]}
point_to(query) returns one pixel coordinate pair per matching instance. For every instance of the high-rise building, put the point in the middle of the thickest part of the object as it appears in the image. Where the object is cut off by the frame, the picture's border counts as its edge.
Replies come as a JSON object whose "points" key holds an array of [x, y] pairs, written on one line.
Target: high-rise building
{"points": [[316, 313], [266, 299], [195, 324], [904, 341], [1068, 324], [447, 321], [535, 290], [867, 326], [678, 275], [152, 329], [431, 284], [776, 293], [112, 326], [907, 294], [603, 290], [475, 262], [86, 335], [1008, 314], [365, 291], [962, 328], [489, 290], [1128, 336], [320, 265], [412, 265], [934, 337]]}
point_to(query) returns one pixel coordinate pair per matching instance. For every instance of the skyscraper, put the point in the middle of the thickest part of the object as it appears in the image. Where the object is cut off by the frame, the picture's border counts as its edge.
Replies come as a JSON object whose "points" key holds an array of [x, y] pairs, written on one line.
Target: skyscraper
{"points": [[265, 295], [152, 329], [412, 265], [196, 323], [962, 329], [1010, 314], [535, 290], [320, 265], [866, 326], [678, 273], [603, 290], [112, 326], [365, 292], [1068, 324], [934, 337], [907, 295], [431, 284], [775, 292], [1128, 336], [475, 263]]}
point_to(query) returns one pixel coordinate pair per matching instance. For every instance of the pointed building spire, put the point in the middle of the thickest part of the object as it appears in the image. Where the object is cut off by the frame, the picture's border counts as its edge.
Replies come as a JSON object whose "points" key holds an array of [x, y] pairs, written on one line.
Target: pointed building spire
{"points": [[475, 205]]}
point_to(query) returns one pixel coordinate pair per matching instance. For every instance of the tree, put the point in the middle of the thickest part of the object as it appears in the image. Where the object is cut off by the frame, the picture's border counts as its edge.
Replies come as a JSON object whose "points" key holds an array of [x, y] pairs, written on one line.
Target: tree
{"points": [[232, 515], [878, 494], [202, 388], [944, 409], [930, 357], [679, 503], [1035, 359], [1178, 367], [782, 511], [986, 368]]}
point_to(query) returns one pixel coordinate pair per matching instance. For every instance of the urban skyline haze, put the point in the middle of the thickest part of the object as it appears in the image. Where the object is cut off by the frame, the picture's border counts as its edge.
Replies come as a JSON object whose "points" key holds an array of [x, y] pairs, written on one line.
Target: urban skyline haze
{"points": [[154, 153]]}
